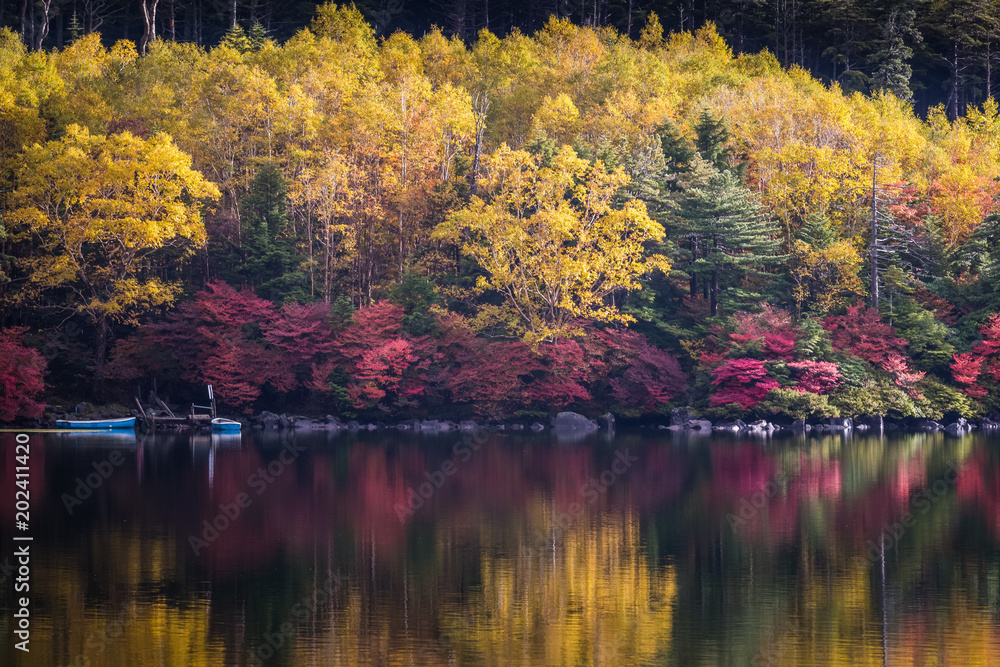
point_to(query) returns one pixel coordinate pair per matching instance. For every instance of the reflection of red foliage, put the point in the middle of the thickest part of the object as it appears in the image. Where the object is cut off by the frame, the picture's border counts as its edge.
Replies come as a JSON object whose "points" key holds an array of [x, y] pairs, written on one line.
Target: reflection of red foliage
{"points": [[8, 475], [978, 487], [742, 469], [816, 479]]}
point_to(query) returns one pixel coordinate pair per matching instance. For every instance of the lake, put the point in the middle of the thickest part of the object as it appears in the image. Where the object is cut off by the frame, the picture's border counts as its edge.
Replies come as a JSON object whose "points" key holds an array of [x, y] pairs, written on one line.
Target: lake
{"points": [[388, 548]]}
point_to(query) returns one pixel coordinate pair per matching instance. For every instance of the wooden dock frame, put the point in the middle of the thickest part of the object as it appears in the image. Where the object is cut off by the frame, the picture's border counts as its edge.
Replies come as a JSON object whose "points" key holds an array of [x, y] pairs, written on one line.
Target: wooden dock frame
{"points": [[193, 419]]}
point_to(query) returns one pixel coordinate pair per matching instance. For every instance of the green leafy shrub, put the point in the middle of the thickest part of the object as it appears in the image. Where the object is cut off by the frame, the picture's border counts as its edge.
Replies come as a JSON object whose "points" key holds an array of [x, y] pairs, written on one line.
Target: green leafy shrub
{"points": [[940, 399], [879, 397], [798, 404]]}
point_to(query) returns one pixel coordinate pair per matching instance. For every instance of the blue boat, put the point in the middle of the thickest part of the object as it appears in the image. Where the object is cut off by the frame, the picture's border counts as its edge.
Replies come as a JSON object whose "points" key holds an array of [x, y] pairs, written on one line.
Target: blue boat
{"points": [[97, 424], [226, 425]]}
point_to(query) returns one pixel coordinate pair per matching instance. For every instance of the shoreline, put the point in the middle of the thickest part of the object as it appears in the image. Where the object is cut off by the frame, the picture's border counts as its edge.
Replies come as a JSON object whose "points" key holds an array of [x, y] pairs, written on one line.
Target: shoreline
{"points": [[679, 421]]}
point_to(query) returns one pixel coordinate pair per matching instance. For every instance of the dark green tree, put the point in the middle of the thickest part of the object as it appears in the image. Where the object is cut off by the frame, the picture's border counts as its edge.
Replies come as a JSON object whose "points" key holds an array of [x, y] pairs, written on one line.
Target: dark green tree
{"points": [[962, 32], [268, 259], [416, 294], [891, 58], [257, 36], [730, 237]]}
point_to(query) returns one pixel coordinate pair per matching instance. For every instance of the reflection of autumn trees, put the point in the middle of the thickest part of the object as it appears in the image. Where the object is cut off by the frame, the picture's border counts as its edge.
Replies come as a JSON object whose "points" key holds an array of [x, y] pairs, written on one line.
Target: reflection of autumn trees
{"points": [[648, 572]]}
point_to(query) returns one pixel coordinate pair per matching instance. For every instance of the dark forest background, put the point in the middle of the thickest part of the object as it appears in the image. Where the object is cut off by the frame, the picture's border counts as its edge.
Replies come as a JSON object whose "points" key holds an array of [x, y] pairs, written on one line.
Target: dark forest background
{"points": [[932, 52]]}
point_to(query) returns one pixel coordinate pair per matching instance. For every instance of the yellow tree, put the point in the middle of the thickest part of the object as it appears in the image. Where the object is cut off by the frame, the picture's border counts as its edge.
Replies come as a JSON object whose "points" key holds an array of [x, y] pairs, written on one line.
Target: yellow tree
{"points": [[94, 211], [553, 242]]}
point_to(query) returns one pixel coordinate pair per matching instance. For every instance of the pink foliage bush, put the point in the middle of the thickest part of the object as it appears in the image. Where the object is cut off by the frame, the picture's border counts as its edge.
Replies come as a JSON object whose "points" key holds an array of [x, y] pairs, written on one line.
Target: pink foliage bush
{"points": [[22, 370], [742, 381]]}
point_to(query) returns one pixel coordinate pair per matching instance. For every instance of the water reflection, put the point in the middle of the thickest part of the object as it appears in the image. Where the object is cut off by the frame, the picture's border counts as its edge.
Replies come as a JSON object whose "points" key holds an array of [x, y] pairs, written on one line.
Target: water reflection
{"points": [[323, 548]]}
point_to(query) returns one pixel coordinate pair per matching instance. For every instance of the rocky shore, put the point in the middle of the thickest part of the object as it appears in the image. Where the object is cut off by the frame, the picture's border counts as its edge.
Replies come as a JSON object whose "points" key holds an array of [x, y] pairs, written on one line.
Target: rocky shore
{"points": [[569, 424]]}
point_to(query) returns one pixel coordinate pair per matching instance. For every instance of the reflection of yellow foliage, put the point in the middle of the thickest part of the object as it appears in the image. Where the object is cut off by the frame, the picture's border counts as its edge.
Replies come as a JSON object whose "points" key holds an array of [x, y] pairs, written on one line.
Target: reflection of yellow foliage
{"points": [[592, 599]]}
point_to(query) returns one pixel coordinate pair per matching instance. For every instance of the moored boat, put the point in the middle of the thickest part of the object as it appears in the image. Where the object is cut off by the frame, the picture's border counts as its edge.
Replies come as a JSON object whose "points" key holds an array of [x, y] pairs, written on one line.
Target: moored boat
{"points": [[97, 424], [223, 424]]}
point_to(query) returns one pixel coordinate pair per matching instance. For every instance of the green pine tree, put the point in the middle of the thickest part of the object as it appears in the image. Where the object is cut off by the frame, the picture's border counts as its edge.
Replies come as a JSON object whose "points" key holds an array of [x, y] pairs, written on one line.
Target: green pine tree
{"points": [[75, 28], [891, 59], [257, 37], [236, 39], [270, 261], [729, 236]]}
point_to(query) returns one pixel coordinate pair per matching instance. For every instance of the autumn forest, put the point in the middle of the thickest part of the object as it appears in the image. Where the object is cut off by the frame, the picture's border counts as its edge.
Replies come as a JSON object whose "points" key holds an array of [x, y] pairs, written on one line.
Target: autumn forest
{"points": [[585, 216]]}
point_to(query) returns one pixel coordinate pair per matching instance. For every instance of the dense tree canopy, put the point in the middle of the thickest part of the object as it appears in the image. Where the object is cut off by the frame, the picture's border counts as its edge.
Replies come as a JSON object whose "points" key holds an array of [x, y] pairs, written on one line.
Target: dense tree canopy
{"points": [[601, 181]]}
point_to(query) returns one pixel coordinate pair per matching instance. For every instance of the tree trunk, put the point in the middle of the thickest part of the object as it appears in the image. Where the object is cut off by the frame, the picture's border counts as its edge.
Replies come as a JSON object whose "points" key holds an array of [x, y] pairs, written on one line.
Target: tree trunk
{"points": [[480, 105], [953, 87], [713, 303], [43, 26], [149, 21], [100, 355], [873, 254]]}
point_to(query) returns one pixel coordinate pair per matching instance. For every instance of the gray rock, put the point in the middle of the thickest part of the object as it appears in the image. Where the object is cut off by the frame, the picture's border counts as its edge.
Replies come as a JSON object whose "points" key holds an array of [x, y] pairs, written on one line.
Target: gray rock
{"points": [[732, 427], [679, 415], [607, 421], [353, 425], [988, 423], [698, 425], [929, 425], [571, 421], [467, 425], [842, 423], [956, 430], [267, 418], [861, 427], [799, 426], [537, 428], [877, 423], [429, 425], [283, 420]]}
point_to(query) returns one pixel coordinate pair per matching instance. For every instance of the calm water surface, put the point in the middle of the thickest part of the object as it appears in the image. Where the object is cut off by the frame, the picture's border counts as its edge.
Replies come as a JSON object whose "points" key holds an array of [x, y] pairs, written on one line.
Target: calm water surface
{"points": [[637, 550]]}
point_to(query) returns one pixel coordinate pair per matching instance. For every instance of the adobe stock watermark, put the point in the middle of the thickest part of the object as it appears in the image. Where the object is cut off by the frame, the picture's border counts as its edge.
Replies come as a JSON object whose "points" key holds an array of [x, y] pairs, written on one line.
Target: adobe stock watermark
{"points": [[299, 614], [86, 486], [461, 453], [230, 512], [921, 502], [590, 492], [751, 507]]}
